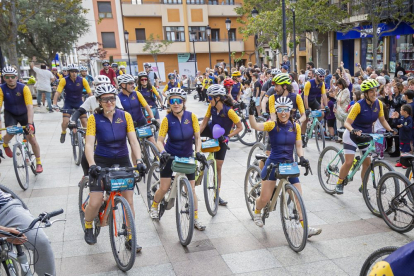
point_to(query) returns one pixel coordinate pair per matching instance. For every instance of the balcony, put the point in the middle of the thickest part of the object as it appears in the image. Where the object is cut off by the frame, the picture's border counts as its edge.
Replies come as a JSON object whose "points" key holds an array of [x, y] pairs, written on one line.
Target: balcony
{"points": [[131, 10], [222, 10]]}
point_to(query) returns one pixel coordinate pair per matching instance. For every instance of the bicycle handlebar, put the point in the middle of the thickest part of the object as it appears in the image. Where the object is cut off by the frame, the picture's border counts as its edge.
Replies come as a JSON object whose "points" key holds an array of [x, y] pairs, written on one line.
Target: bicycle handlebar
{"points": [[43, 217]]}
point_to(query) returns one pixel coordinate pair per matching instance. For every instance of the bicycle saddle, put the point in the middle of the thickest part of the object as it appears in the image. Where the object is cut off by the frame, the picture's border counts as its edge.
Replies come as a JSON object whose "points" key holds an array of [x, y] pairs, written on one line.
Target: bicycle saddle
{"points": [[406, 160]]}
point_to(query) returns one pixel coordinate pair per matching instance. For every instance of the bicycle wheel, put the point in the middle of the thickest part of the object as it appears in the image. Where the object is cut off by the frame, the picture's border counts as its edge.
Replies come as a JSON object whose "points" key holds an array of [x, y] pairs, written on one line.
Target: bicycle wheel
{"points": [[260, 134], [14, 196], [83, 199], [184, 211], [319, 137], [370, 184], [409, 175], [330, 162], [258, 148], [153, 183], [211, 189], [251, 193], [32, 158], [396, 209], [377, 256], [77, 147], [121, 231], [20, 166], [152, 153], [247, 136]]}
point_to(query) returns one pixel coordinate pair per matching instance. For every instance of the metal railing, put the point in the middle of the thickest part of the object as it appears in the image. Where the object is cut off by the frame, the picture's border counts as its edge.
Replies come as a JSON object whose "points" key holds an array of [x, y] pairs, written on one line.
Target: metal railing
{"points": [[215, 40], [179, 2]]}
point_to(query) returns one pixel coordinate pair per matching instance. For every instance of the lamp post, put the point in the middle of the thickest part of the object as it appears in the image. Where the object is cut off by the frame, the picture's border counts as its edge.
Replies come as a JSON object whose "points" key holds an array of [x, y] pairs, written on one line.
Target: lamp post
{"points": [[126, 35], [192, 37], [294, 35], [208, 29], [284, 46], [255, 13], [228, 25]]}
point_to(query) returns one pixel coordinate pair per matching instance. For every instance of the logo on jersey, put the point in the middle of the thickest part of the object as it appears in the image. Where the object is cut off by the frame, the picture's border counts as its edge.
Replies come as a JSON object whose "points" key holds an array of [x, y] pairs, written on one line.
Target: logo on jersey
{"points": [[118, 121], [78, 84], [290, 129], [18, 94], [222, 115], [186, 122], [133, 97], [375, 110]]}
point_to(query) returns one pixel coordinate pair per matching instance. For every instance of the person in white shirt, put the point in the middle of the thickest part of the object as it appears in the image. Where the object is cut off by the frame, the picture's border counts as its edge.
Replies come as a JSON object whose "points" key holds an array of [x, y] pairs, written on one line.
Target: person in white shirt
{"points": [[44, 78]]}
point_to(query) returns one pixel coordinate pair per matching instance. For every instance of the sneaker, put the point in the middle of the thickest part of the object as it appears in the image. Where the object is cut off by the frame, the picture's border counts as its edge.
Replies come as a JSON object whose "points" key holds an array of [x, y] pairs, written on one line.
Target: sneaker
{"points": [[360, 188], [339, 189], [39, 168], [258, 219], [128, 246], [398, 165], [222, 202], [62, 137], [313, 231], [154, 213], [8, 152], [89, 236], [404, 167], [198, 225]]}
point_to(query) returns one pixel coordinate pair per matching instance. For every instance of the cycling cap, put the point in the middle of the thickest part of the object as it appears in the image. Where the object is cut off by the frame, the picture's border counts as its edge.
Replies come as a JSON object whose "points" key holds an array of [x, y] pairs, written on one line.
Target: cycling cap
{"points": [[369, 84], [228, 82], [142, 74], [216, 90], [283, 101], [105, 89], [73, 67], [101, 79], [8, 70], [275, 71], [176, 91], [320, 72], [236, 74], [281, 79], [125, 78]]}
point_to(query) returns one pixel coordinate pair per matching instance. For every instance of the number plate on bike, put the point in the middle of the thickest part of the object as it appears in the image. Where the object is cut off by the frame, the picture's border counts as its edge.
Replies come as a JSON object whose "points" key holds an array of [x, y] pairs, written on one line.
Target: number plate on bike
{"points": [[185, 160], [289, 169], [144, 132], [14, 130], [378, 138], [210, 144], [316, 114], [122, 184]]}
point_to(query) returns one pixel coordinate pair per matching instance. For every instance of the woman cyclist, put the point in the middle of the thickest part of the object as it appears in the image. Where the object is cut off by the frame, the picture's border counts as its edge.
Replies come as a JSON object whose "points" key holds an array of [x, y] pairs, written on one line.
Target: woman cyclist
{"points": [[171, 84], [284, 134], [360, 120], [221, 112], [228, 85], [181, 126], [109, 127], [236, 89], [149, 93]]}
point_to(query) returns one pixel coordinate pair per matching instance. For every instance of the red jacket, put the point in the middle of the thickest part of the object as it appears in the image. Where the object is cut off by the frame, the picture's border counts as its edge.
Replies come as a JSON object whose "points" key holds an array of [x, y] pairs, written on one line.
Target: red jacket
{"points": [[111, 75]]}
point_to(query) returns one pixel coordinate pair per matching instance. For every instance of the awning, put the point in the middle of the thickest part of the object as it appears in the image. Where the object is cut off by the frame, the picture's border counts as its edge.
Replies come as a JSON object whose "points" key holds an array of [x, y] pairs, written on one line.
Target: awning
{"points": [[402, 29]]}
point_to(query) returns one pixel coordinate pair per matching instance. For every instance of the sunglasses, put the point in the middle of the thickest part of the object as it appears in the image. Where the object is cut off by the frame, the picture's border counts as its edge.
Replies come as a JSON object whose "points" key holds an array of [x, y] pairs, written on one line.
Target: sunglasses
{"points": [[283, 109], [144, 79], [322, 77], [210, 98], [9, 77], [106, 65], [171, 78], [108, 99], [176, 101]]}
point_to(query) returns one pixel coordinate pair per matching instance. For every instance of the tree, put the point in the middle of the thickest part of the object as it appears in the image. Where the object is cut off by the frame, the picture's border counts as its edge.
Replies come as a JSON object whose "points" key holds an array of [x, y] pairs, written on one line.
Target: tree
{"points": [[91, 50], [155, 47]]}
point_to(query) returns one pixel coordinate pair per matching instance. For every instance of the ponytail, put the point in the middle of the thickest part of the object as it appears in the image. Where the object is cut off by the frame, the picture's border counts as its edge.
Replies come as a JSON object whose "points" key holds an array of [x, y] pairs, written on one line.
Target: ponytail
{"points": [[226, 100]]}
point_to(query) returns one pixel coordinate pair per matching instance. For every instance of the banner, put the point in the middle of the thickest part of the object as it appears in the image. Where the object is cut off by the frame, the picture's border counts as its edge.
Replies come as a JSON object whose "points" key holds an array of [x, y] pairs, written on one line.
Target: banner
{"points": [[402, 29]]}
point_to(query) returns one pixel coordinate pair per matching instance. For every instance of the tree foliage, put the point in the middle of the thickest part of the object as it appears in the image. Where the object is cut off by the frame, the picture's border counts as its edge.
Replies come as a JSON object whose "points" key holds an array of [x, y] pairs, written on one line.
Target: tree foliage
{"points": [[155, 47], [91, 51]]}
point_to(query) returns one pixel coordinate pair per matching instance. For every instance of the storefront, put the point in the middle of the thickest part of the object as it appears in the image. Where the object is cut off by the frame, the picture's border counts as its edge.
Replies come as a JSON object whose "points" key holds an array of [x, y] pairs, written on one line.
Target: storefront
{"points": [[402, 50]]}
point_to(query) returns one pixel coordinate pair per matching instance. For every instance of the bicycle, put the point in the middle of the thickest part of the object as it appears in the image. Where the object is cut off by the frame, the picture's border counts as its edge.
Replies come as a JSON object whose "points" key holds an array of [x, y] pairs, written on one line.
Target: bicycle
{"points": [[377, 256], [314, 128], [76, 139], [149, 151], [23, 156], [115, 211], [180, 191], [247, 136], [16, 263], [331, 160], [14, 196], [292, 208]]}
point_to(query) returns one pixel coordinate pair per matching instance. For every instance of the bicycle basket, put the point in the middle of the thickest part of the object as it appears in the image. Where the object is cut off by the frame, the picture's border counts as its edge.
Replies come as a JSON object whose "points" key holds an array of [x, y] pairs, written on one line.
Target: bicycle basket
{"points": [[144, 132], [119, 181], [184, 165], [285, 170], [211, 145], [316, 114], [14, 130]]}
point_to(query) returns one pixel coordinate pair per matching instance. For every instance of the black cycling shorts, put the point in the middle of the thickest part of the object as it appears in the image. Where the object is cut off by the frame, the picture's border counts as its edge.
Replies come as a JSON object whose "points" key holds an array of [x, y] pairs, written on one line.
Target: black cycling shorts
{"points": [[141, 122], [315, 104], [12, 120], [331, 122], [167, 171]]}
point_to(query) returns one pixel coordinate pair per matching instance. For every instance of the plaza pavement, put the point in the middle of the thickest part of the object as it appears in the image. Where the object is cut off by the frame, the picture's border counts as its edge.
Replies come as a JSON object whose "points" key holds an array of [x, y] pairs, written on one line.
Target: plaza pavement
{"points": [[231, 243]]}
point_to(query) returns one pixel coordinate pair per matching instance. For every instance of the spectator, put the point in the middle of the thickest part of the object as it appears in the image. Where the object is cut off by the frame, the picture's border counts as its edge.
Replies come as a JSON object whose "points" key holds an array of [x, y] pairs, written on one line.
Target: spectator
{"points": [[328, 78], [330, 118], [285, 69], [44, 78], [286, 63], [184, 82], [247, 93], [401, 76], [177, 76], [310, 66], [384, 72], [404, 125], [334, 81], [343, 99], [256, 93], [302, 79], [311, 74], [381, 80], [395, 97], [294, 82], [400, 68], [249, 65], [199, 86], [107, 71]]}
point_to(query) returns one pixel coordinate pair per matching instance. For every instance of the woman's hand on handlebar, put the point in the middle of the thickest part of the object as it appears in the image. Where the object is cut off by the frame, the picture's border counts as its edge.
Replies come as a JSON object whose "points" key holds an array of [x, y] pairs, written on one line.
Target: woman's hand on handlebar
{"points": [[14, 240], [356, 132]]}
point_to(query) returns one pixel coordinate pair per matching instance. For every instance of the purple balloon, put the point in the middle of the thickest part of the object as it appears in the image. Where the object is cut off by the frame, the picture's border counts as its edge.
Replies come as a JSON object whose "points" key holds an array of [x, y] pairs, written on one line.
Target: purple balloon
{"points": [[218, 131]]}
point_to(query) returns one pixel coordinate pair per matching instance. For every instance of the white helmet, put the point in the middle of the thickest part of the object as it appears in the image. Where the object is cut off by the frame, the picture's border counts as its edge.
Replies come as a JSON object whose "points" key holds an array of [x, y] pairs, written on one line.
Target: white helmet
{"points": [[102, 79], [105, 89], [216, 90], [176, 91], [125, 78], [73, 67], [122, 67], [64, 68], [275, 71], [283, 101], [320, 72], [83, 68], [8, 70]]}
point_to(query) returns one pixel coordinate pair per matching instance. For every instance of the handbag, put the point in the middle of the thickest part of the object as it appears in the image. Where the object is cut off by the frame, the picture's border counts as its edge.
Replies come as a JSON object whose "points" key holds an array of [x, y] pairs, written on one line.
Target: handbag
{"points": [[119, 181], [184, 165]]}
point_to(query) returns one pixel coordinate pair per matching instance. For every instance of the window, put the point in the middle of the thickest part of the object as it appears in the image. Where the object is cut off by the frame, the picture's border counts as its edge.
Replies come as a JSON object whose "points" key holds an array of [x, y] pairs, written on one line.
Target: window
{"points": [[140, 35], [104, 9], [175, 33], [232, 34], [108, 40], [221, 2], [215, 35], [302, 44], [200, 33], [172, 1], [195, 2]]}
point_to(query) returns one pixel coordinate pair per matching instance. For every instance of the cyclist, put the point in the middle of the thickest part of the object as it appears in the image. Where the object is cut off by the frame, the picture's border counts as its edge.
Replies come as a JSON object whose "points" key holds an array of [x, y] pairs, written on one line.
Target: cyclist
{"points": [[181, 126], [114, 67], [107, 71], [221, 112], [228, 84], [236, 89], [398, 263], [284, 134], [268, 90], [84, 74], [152, 76], [171, 84], [18, 108], [360, 120], [122, 70], [150, 93], [111, 148], [73, 85], [65, 72], [56, 73]]}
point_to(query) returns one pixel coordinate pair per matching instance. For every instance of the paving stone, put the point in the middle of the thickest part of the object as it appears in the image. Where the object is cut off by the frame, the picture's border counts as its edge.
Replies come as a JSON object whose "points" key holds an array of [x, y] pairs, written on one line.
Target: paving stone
{"points": [[206, 266], [236, 244], [287, 257], [316, 268], [155, 270], [249, 261]]}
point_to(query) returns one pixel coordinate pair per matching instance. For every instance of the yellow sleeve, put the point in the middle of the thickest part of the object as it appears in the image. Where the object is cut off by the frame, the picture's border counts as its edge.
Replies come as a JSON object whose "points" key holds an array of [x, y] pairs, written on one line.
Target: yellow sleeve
{"points": [[91, 129], [299, 103], [1, 98], [381, 112], [165, 88], [240, 88], [307, 88], [163, 128], [298, 132], [196, 126], [178, 85], [130, 122], [142, 100], [136, 88], [154, 90], [60, 76], [323, 88], [28, 100], [120, 72], [233, 116], [86, 86], [268, 126], [61, 86], [356, 109], [208, 112], [272, 109]]}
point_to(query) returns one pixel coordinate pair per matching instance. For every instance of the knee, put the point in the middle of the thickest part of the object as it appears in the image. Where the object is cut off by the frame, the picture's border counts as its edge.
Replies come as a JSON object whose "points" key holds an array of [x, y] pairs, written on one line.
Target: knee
{"points": [[94, 203]]}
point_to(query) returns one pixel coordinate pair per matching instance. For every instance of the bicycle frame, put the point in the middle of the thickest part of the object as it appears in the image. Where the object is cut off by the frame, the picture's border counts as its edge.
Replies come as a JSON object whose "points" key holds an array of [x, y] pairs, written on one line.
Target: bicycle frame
{"points": [[201, 174], [310, 130], [11, 256], [21, 141]]}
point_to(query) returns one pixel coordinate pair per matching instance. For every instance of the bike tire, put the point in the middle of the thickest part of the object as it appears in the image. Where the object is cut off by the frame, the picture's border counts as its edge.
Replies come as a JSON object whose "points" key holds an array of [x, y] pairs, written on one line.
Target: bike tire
{"points": [[302, 236], [370, 185], [376, 256], [250, 195], [14, 196], [249, 136], [409, 175], [391, 205], [211, 189], [83, 197], [77, 148], [152, 154], [30, 154], [327, 185], [319, 136], [125, 213], [184, 191], [153, 183], [258, 148], [20, 166]]}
